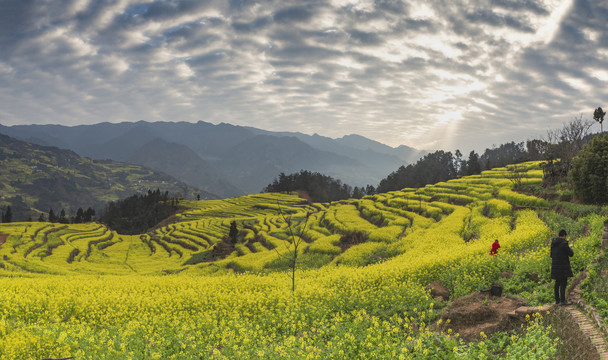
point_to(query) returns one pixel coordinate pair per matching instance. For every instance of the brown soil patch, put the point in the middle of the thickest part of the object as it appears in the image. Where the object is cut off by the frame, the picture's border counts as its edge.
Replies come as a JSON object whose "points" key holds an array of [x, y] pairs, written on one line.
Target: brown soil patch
{"points": [[221, 250], [479, 312], [353, 238], [3, 238], [304, 195], [173, 219], [506, 275], [438, 291]]}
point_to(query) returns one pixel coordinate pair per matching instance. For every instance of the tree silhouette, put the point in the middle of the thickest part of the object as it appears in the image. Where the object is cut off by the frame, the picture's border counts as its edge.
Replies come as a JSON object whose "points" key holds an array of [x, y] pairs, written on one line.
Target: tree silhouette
{"points": [[52, 216], [62, 217], [320, 188], [473, 166], [459, 163], [598, 115], [7, 216], [88, 215], [137, 213], [370, 190], [234, 231], [79, 216]]}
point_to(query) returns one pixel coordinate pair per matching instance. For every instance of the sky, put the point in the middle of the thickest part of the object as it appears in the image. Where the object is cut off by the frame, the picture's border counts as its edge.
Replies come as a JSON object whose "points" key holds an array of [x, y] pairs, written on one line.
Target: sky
{"points": [[445, 74]]}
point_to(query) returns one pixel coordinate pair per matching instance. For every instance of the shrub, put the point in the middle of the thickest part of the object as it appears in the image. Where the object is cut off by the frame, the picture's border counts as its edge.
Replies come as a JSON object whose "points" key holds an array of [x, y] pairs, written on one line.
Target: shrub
{"points": [[589, 172]]}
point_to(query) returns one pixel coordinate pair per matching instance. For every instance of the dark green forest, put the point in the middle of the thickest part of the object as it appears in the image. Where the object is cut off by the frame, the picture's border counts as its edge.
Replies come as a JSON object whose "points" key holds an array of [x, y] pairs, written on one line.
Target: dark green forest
{"points": [[138, 213]]}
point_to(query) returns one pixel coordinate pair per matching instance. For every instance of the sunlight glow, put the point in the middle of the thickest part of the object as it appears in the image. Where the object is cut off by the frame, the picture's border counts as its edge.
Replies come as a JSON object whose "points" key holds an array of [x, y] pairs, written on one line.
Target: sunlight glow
{"points": [[600, 74], [347, 62], [550, 28], [578, 84], [420, 10]]}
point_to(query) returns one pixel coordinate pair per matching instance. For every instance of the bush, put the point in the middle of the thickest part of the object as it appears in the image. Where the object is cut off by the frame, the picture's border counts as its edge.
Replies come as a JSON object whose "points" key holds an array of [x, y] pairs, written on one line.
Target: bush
{"points": [[590, 171]]}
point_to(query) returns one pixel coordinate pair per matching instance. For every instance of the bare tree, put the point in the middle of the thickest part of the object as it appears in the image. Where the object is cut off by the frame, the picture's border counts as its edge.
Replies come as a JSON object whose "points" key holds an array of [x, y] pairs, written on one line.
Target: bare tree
{"points": [[574, 133], [295, 241], [563, 145], [569, 140]]}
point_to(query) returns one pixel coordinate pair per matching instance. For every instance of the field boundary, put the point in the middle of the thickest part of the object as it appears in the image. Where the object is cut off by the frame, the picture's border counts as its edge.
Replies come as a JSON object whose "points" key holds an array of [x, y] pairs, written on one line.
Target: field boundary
{"points": [[586, 316]]}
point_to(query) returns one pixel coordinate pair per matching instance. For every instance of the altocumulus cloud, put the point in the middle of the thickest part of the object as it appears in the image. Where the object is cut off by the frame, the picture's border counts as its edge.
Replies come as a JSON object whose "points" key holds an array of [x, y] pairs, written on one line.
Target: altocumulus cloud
{"points": [[430, 74]]}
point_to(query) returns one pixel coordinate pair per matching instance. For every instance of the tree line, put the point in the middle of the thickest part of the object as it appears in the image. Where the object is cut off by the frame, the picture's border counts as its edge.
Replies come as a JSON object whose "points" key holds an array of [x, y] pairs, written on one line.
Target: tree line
{"points": [[559, 149], [319, 187], [82, 216], [132, 215], [443, 165]]}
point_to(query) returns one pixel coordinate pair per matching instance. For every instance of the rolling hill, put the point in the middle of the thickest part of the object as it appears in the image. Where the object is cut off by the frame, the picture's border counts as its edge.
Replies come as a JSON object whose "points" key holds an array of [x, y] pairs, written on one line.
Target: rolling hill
{"points": [[361, 276], [183, 163], [249, 164], [353, 159], [35, 178], [362, 271]]}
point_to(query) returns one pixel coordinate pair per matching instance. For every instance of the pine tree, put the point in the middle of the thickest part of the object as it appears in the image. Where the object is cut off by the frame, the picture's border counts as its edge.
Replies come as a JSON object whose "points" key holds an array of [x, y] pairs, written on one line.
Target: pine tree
{"points": [[8, 215], [370, 190], [234, 231], [88, 215], [52, 216], [62, 218], [473, 166], [79, 216]]}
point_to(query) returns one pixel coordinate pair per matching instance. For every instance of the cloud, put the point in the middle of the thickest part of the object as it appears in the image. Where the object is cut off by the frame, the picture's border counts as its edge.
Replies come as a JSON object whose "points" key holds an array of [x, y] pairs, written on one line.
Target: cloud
{"points": [[426, 74], [293, 14], [492, 18], [521, 6]]}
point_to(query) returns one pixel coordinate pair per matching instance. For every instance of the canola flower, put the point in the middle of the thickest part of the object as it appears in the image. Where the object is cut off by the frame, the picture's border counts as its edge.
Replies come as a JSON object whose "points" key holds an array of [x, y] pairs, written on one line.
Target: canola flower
{"points": [[142, 297]]}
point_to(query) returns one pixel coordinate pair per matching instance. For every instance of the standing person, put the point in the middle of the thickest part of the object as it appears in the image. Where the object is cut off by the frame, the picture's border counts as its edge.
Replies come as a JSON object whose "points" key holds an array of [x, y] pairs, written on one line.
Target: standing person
{"points": [[561, 252], [495, 247]]}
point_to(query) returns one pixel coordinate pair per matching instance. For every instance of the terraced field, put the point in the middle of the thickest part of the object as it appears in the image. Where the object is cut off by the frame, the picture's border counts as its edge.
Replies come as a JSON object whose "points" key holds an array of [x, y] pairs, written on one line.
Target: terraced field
{"points": [[183, 291], [389, 221]]}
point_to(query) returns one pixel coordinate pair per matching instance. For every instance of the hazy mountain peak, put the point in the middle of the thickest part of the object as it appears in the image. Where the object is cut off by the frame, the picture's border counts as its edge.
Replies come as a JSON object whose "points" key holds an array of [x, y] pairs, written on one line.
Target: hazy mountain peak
{"points": [[224, 154]]}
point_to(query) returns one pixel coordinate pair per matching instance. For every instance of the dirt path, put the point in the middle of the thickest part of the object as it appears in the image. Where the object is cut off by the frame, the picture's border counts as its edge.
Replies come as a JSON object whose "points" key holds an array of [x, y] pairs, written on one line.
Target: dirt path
{"points": [[590, 330], [589, 322]]}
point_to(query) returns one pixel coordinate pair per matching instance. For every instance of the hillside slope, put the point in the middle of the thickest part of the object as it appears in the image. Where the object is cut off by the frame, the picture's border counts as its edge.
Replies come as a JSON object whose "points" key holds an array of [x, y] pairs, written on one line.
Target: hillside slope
{"points": [[34, 179], [368, 161], [474, 210], [183, 163], [254, 163], [361, 276]]}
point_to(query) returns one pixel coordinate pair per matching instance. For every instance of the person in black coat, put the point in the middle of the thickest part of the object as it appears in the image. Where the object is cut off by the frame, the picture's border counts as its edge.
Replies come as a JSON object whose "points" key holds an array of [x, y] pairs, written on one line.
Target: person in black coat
{"points": [[561, 252]]}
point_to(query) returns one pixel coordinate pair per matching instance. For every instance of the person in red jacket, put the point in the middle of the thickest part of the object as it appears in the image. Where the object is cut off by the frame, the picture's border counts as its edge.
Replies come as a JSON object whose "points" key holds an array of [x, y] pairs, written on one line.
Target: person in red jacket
{"points": [[495, 247]]}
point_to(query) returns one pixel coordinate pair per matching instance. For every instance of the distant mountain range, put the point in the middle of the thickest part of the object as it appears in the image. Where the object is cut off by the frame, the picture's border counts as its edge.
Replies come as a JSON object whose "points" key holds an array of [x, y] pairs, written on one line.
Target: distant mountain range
{"points": [[36, 178], [225, 160]]}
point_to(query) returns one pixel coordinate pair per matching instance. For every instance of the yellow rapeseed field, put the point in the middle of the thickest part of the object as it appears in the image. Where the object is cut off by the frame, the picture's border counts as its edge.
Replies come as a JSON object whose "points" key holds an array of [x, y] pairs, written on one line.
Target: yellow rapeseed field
{"points": [[87, 292]]}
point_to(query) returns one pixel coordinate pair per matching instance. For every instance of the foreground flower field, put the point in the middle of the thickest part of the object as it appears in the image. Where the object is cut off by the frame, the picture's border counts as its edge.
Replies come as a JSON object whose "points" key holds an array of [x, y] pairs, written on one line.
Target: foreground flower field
{"points": [[87, 292]]}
